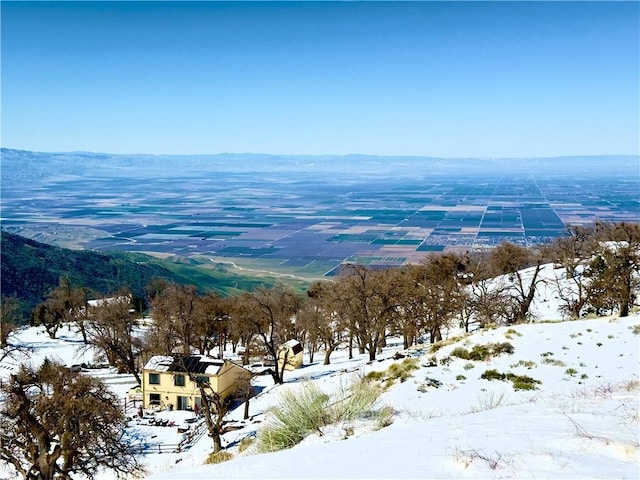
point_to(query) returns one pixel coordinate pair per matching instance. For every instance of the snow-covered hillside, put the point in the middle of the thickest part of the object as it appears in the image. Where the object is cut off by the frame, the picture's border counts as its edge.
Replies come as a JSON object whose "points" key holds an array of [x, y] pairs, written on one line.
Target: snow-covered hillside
{"points": [[582, 421]]}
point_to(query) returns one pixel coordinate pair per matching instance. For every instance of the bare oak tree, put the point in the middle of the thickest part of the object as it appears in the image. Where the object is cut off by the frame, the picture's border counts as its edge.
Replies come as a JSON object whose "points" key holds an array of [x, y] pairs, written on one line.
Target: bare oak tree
{"points": [[55, 423], [368, 301], [111, 328], [272, 319], [511, 260], [614, 272], [65, 303], [9, 320], [572, 254]]}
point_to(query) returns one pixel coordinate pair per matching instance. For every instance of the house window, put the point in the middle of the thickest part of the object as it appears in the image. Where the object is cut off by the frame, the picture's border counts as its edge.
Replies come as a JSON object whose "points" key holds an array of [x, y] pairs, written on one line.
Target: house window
{"points": [[178, 380], [154, 379], [202, 379], [183, 402], [154, 399]]}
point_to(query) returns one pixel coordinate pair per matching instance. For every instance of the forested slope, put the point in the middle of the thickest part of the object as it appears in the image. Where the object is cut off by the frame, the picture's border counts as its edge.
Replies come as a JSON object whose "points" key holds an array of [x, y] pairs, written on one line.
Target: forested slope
{"points": [[30, 270]]}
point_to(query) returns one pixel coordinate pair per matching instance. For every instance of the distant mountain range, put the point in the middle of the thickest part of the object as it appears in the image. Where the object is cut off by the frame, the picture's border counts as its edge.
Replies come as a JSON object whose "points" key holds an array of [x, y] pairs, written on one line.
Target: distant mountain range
{"points": [[26, 166]]}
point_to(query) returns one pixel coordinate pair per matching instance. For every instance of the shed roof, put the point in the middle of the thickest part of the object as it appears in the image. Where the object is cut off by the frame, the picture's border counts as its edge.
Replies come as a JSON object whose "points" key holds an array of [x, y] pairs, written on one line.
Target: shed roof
{"points": [[294, 345]]}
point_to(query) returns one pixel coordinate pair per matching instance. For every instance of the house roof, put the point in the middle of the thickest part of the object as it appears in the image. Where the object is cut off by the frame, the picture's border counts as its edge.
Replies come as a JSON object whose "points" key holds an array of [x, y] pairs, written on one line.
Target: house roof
{"points": [[182, 363]]}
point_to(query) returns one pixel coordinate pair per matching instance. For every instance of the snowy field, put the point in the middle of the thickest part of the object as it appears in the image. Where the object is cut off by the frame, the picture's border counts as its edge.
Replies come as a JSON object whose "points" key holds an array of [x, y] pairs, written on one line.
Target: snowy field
{"points": [[581, 422]]}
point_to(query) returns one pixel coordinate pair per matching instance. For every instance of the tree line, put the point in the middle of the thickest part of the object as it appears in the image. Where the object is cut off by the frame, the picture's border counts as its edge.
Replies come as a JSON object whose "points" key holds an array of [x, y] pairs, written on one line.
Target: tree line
{"points": [[596, 272], [48, 410]]}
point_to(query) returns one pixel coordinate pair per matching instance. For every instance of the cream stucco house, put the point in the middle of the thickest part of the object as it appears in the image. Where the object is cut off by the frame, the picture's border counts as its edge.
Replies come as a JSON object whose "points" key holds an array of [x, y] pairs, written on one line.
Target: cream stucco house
{"points": [[166, 380]]}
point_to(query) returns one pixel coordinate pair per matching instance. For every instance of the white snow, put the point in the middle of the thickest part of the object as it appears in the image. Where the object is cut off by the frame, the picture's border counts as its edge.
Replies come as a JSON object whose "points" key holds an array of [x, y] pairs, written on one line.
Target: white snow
{"points": [[582, 421]]}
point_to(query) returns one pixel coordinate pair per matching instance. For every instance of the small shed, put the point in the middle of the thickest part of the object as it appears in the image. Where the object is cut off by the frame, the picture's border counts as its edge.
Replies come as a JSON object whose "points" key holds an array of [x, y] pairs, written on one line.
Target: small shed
{"points": [[290, 354]]}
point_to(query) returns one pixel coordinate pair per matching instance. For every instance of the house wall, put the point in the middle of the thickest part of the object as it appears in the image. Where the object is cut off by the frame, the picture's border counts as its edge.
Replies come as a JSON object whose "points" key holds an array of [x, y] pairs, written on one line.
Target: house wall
{"points": [[169, 392], [230, 378], [225, 383]]}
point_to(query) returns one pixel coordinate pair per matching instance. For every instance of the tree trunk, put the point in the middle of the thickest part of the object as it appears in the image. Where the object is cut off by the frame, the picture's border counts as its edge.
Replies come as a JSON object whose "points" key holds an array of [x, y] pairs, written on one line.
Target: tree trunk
{"points": [[327, 354], [246, 408], [245, 356], [217, 442]]}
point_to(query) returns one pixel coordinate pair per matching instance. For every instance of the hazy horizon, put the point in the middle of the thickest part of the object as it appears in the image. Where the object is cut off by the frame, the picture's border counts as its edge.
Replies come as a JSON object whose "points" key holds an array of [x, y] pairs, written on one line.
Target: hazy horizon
{"points": [[303, 155], [425, 79]]}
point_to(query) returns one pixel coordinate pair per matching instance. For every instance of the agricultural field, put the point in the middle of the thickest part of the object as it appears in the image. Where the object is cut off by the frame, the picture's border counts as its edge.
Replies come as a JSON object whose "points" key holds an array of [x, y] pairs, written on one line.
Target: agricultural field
{"points": [[307, 218]]}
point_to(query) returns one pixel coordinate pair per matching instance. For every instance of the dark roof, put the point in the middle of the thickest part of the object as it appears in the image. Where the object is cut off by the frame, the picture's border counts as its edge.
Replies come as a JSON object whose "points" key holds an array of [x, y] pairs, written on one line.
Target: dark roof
{"points": [[192, 364]]}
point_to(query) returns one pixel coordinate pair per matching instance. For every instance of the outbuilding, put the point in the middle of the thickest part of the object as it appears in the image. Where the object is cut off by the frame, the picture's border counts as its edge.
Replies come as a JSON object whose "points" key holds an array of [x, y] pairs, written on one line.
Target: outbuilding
{"points": [[290, 355]]}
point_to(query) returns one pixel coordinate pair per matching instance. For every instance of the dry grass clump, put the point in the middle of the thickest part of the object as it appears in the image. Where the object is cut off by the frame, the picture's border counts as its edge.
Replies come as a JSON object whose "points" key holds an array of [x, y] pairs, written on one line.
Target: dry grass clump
{"points": [[443, 343], [308, 410], [245, 444], [511, 333], [396, 371], [219, 457], [547, 359]]}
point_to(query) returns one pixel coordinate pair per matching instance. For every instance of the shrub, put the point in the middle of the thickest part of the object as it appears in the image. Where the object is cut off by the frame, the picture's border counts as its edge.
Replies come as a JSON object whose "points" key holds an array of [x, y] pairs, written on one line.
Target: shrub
{"points": [[432, 361], [402, 370], [635, 329], [571, 371], [519, 382], [483, 352], [479, 353], [492, 374], [460, 377], [523, 382], [460, 352], [429, 383], [524, 363], [500, 348], [468, 366]]}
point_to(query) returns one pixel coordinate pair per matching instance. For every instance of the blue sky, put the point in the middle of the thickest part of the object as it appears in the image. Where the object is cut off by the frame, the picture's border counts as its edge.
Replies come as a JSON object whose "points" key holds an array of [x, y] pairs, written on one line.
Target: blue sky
{"points": [[451, 79]]}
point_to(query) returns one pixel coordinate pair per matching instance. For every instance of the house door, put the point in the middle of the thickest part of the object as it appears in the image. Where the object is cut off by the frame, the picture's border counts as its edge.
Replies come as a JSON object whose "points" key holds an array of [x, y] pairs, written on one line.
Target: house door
{"points": [[183, 402]]}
